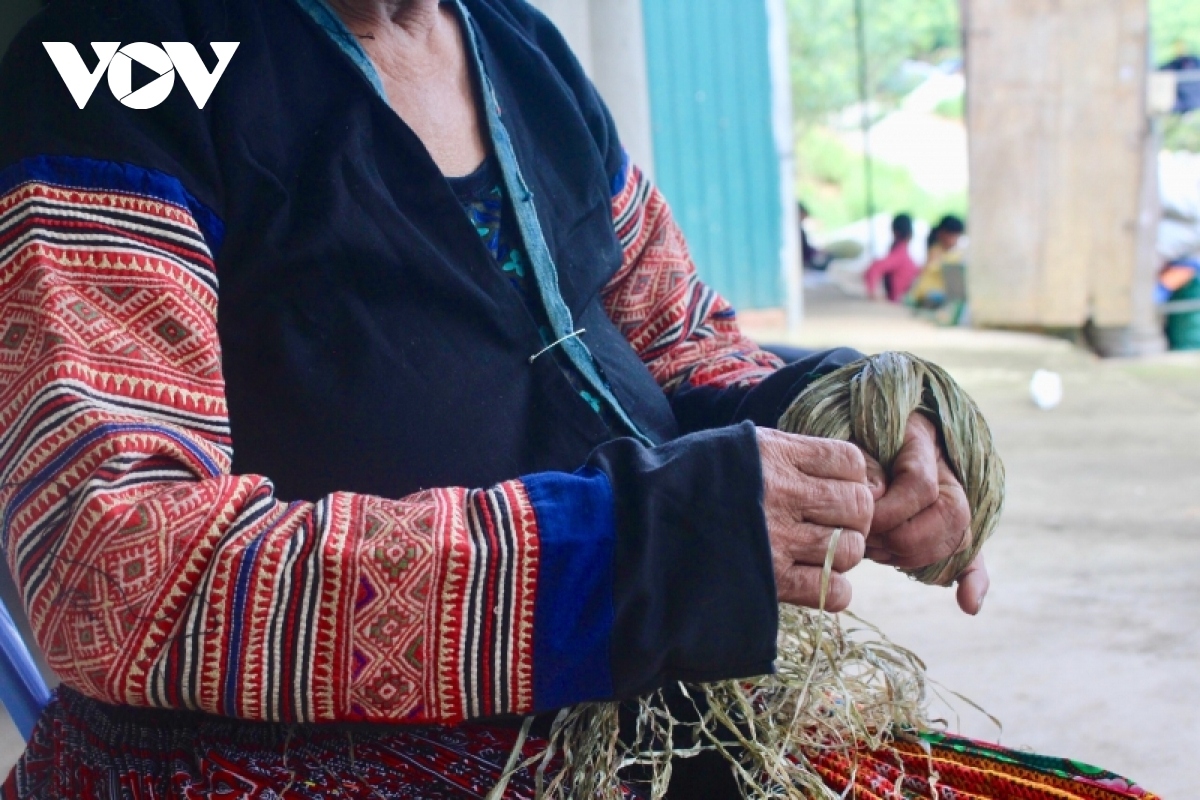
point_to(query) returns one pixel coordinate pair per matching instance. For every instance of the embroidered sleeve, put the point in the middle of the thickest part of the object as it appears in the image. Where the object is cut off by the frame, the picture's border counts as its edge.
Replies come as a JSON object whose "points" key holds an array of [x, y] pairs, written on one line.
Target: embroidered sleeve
{"points": [[683, 330], [154, 577]]}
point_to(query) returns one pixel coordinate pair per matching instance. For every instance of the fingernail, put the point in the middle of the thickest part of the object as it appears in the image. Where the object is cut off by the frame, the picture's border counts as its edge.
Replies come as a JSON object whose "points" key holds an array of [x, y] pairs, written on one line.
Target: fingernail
{"points": [[979, 603]]}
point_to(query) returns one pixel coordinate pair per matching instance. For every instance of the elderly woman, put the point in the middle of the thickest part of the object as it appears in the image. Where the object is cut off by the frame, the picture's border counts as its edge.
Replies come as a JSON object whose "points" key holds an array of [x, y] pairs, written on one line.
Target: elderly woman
{"points": [[382, 390]]}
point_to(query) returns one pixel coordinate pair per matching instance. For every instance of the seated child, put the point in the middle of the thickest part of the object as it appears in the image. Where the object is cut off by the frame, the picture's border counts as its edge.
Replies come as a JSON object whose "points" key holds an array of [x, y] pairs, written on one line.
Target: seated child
{"points": [[896, 270], [929, 291]]}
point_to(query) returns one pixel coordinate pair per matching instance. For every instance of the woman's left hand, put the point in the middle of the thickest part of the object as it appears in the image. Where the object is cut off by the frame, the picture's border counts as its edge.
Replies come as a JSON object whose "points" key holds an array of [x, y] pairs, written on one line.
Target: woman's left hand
{"points": [[922, 516]]}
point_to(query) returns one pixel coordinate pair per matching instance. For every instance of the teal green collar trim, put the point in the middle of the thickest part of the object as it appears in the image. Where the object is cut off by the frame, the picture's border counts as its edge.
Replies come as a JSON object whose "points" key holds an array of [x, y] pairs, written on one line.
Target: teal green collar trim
{"points": [[346, 41], [544, 271]]}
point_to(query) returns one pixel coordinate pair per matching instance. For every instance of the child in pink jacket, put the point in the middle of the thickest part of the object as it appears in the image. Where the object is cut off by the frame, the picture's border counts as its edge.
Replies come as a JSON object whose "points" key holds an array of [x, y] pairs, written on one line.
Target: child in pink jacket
{"points": [[897, 270]]}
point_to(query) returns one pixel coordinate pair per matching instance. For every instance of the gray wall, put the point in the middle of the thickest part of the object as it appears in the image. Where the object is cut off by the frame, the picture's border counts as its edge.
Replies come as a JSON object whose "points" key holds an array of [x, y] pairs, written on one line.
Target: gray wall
{"points": [[13, 14]]}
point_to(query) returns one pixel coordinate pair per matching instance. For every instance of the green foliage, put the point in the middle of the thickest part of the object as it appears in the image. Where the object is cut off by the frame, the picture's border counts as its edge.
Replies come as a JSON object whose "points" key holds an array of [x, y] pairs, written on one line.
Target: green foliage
{"points": [[824, 65], [1175, 24], [1182, 133], [1176, 30], [953, 108], [824, 59], [831, 184]]}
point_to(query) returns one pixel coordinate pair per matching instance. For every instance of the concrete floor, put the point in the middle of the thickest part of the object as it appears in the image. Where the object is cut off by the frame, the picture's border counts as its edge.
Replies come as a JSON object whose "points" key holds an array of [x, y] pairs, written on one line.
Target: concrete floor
{"points": [[1089, 643]]}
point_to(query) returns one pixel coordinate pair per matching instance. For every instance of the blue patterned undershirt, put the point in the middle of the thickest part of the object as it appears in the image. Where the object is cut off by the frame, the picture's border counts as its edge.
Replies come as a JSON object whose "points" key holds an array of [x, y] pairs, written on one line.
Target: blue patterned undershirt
{"points": [[481, 195]]}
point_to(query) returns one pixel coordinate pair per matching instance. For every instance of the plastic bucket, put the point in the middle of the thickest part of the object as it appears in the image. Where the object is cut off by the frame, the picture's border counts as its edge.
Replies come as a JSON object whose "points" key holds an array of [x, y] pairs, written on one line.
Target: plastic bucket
{"points": [[1183, 330]]}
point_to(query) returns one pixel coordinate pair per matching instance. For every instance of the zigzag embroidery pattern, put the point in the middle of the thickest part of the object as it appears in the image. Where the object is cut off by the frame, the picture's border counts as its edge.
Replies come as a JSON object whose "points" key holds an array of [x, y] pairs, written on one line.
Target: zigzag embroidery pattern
{"points": [[683, 330]]}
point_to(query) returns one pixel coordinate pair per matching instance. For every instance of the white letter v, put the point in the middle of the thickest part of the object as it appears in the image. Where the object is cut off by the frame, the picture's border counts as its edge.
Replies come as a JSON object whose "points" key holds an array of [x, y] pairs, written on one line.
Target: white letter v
{"points": [[74, 72], [196, 76]]}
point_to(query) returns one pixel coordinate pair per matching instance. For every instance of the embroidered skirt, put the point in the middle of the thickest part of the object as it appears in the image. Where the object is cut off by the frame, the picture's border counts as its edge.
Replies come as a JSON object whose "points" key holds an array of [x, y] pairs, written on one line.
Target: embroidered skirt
{"points": [[86, 750]]}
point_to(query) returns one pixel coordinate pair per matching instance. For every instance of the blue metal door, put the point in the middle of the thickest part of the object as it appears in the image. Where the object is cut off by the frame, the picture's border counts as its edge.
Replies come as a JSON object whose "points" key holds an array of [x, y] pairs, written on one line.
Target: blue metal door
{"points": [[714, 149]]}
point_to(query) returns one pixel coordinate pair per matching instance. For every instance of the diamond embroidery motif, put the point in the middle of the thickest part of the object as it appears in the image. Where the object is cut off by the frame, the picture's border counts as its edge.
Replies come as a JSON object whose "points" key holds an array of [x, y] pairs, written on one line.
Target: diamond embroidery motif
{"points": [[395, 557], [391, 603], [171, 331], [118, 294], [84, 311], [388, 626], [50, 341], [14, 336], [134, 569], [389, 689]]}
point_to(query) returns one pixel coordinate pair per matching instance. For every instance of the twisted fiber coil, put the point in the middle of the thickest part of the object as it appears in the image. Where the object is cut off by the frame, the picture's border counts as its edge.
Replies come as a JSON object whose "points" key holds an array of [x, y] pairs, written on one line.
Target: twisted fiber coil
{"points": [[869, 403], [840, 686]]}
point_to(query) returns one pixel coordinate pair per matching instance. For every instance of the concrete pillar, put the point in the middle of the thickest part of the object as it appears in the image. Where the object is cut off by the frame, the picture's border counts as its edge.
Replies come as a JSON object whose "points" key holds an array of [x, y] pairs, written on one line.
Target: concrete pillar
{"points": [[574, 20], [618, 52], [608, 37], [783, 125], [1144, 334]]}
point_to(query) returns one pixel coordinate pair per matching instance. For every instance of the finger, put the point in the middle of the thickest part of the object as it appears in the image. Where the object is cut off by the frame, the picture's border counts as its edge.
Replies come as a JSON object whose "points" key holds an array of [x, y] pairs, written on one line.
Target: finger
{"points": [[835, 504], [879, 555], [807, 544], [973, 586], [938, 532], [825, 458], [801, 586], [913, 487], [876, 478]]}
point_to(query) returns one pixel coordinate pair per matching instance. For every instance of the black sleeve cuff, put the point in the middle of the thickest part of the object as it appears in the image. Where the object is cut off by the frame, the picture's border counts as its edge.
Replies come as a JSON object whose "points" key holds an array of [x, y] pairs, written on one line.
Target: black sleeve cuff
{"points": [[703, 407], [694, 590]]}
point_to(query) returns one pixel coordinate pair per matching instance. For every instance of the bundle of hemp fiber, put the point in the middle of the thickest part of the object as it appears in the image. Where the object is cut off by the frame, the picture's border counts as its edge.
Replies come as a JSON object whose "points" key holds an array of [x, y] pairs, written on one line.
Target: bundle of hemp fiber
{"points": [[840, 687]]}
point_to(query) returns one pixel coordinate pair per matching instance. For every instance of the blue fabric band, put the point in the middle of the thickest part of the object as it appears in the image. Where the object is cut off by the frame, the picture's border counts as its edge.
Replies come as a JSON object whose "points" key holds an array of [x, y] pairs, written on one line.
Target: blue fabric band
{"points": [[573, 621], [90, 174]]}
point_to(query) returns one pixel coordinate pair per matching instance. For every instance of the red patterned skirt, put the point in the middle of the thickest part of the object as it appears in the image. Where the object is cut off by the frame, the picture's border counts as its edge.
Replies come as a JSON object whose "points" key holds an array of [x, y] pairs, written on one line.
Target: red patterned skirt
{"points": [[86, 750]]}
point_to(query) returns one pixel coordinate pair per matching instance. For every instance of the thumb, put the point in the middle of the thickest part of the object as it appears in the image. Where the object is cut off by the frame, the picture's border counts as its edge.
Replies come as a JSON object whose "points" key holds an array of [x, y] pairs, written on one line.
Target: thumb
{"points": [[973, 586]]}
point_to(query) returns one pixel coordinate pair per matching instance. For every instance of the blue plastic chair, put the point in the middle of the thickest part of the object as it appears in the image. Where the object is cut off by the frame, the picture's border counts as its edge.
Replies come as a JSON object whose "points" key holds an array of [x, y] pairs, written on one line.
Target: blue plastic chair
{"points": [[22, 690]]}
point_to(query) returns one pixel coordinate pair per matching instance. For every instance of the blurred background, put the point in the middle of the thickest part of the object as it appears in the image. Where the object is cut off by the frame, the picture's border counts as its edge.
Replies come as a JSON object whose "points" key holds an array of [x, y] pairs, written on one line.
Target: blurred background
{"points": [[1064, 137], [1063, 133]]}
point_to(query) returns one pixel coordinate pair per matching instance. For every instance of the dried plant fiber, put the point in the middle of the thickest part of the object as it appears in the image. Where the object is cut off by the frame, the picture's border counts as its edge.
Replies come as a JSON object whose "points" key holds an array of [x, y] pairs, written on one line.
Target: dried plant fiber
{"points": [[869, 403], [839, 683]]}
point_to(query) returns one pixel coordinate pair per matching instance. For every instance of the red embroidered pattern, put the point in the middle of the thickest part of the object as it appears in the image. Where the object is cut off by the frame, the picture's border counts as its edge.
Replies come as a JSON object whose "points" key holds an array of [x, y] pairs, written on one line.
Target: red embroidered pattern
{"points": [[954, 769], [682, 329], [152, 576]]}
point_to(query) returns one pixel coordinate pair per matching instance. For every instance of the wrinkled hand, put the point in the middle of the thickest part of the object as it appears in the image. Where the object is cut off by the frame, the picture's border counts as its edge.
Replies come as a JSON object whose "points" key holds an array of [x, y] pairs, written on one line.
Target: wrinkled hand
{"points": [[922, 516], [811, 487]]}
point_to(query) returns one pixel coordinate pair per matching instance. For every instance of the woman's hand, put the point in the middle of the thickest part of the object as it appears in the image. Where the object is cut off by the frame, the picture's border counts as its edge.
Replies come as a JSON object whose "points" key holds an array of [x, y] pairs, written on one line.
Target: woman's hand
{"points": [[923, 517], [810, 488]]}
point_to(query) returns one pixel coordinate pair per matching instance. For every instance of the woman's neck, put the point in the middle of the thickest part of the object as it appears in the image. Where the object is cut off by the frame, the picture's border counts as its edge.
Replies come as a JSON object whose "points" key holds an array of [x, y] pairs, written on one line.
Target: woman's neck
{"points": [[408, 40], [417, 19], [418, 51]]}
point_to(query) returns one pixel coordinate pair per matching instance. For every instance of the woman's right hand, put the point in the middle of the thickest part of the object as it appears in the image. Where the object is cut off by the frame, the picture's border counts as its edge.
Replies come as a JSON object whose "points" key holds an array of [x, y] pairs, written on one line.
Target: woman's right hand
{"points": [[811, 487]]}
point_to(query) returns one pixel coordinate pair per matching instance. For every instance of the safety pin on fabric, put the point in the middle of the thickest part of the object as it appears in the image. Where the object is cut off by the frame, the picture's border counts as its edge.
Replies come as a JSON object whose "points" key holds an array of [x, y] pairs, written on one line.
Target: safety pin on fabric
{"points": [[553, 345]]}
